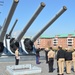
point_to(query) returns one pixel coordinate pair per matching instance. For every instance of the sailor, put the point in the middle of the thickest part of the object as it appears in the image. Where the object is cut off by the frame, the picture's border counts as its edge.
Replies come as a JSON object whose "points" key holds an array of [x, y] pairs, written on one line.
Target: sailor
{"points": [[61, 59], [57, 61], [51, 55], [73, 59], [37, 55], [68, 59], [46, 52], [17, 57], [65, 61]]}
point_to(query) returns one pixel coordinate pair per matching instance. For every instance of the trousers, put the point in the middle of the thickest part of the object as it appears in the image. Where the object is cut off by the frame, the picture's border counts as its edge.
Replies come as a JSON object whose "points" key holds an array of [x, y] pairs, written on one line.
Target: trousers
{"points": [[73, 64], [61, 65], [16, 61], [50, 63], [68, 66], [37, 59]]}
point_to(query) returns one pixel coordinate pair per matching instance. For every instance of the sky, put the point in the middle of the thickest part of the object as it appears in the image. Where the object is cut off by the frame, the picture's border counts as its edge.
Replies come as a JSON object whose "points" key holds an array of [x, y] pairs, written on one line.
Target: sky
{"points": [[25, 10]]}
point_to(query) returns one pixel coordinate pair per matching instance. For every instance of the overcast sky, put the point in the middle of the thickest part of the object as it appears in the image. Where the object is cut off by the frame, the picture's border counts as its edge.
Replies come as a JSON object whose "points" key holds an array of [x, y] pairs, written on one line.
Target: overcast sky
{"points": [[26, 8]]}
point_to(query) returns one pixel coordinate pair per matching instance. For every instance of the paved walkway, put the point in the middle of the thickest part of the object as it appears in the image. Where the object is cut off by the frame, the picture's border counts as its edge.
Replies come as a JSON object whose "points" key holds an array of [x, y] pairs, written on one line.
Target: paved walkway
{"points": [[43, 65], [6, 61]]}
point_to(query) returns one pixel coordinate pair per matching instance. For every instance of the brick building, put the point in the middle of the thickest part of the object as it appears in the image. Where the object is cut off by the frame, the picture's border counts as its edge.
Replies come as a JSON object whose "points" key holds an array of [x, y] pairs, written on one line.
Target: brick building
{"points": [[65, 40]]}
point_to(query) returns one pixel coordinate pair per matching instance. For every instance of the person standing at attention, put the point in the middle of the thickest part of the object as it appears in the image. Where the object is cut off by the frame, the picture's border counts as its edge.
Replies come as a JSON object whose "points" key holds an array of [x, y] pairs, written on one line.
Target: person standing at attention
{"points": [[61, 59], [46, 52], [73, 59], [17, 56], [51, 55], [68, 58], [37, 56]]}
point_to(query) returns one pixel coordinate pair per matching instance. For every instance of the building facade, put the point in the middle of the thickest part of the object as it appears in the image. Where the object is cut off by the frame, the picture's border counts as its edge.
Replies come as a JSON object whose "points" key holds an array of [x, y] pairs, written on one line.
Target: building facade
{"points": [[65, 40]]}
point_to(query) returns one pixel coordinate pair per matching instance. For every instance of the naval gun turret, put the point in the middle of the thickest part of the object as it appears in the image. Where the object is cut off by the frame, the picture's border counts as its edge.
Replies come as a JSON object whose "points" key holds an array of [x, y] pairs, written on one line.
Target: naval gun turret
{"points": [[7, 39], [6, 24], [29, 42], [14, 42]]}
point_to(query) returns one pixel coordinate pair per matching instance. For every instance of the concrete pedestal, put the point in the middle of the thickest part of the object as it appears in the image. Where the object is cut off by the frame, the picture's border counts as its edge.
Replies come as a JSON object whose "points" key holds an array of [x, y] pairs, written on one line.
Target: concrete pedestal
{"points": [[23, 69]]}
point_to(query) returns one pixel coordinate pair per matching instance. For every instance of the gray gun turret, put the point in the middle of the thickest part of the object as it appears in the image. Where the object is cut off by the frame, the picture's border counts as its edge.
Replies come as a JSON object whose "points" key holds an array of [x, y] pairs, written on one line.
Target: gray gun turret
{"points": [[5, 26], [29, 43], [15, 42]]}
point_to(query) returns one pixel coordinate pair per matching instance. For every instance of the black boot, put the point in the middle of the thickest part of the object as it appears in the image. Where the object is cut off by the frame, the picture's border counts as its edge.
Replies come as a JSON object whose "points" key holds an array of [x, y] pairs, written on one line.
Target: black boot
{"points": [[57, 70]]}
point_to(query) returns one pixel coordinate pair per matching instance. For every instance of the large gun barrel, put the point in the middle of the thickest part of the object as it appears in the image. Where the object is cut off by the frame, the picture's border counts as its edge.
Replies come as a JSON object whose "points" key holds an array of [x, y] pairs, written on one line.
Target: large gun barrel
{"points": [[4, 28], [42, 5], [29, 43], [12, 27], [49, 23], [9, 17]]}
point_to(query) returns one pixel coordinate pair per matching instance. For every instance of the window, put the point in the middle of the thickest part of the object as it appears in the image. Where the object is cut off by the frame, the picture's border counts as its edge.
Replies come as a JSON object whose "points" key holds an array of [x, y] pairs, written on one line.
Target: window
{"points": [[69, 42], [55, 41], [38, 41]]}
